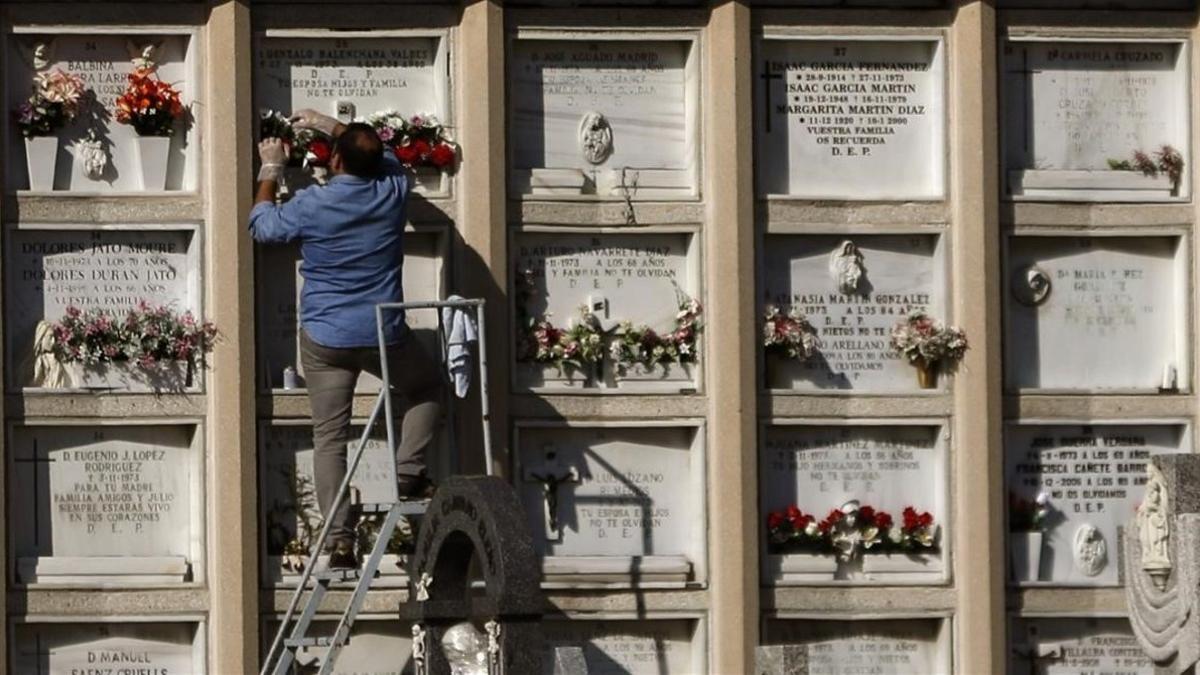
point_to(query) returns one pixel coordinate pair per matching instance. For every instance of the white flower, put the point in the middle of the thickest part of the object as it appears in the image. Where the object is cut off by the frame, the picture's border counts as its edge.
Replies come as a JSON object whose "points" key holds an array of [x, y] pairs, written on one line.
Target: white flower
{"points": [[685, 348], [1042, 499], [812, 529]]}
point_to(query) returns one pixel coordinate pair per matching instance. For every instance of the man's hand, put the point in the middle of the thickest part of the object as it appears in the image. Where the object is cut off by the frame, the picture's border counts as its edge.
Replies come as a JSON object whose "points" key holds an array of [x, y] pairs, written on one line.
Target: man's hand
{"points": [[272, 151], [311, 119], [274, 155]]}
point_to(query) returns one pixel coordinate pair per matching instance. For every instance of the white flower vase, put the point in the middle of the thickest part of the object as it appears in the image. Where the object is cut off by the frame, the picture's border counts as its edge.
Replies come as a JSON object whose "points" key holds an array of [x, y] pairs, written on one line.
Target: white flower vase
{"points": [[1025, 556], [153, 156], [41, 155]]}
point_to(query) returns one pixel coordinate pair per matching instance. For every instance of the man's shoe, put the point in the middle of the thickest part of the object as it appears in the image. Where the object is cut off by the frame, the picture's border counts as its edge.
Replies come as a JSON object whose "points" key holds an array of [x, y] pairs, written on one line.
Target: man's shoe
{"points": [[343, 557], [415, 488]]}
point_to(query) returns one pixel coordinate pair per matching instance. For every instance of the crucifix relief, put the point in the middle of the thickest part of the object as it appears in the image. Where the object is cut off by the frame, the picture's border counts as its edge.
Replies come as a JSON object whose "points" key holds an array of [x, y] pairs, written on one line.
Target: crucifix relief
{"points": [[767, 76], [36, 461], [552, 472]]}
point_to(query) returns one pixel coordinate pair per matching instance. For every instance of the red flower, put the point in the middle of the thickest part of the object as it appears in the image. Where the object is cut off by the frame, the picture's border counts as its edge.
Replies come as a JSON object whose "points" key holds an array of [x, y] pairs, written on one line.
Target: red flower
{"points": [[320, 151], [883, 520], [442, 155], [408, 154], [867, 514], [421, 147], [914, 520], [774, 520]]}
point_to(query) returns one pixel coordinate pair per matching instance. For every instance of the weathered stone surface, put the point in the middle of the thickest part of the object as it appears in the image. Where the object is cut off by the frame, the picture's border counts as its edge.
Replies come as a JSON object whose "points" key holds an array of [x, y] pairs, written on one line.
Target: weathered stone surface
{"points": [[569, 661], [781, 660]]}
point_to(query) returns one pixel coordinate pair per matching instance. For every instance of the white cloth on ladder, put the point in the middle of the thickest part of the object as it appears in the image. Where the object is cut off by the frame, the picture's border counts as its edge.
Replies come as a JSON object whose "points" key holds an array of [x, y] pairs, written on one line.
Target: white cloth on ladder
{"points": [[461, 331]]}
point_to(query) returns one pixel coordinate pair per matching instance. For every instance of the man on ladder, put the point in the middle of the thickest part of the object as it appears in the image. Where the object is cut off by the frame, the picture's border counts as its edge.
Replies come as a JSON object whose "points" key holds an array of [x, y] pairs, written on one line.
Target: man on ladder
{"points": [[351, 237]]}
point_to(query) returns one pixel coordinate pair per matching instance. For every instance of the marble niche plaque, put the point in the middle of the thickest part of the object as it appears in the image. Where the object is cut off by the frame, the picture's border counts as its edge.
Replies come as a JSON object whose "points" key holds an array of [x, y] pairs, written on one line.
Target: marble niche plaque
{"points": [[903, 646], [290, 500], [614, 505], [125, 648], [1072, 645], [1073, 109], [376, 647], [48, 269], [354, 75], [851, 118], [106, 504], [1096, 314], [637, 278], [278, 296], [630, 647], [1094, 478], [887, 467], [104, 62], [899, 274], [608, 118]]}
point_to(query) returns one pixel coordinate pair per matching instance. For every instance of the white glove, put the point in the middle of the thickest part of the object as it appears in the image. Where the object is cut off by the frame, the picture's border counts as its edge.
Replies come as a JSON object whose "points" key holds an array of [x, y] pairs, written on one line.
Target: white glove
{"points": [[274, 156], [311, 119]]}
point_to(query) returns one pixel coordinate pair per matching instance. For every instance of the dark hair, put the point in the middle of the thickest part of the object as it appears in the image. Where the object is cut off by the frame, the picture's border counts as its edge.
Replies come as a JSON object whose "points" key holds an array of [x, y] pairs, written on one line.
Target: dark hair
{"points": [[360, 149]]}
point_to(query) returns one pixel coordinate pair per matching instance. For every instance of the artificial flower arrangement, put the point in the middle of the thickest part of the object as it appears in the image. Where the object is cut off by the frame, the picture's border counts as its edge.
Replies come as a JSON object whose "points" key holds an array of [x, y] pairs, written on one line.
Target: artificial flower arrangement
{"points": [[306, 148], [928, 345], [789, 334], [850, 531], [54, 103], [581, 345], [1166, 160], [1025, 515], [149, 105], [417, 140], [147, 336]]}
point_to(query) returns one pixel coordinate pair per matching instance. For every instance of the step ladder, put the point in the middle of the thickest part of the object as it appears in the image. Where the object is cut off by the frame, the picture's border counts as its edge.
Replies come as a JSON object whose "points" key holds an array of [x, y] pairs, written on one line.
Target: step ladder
{"points": [[293, 633]]}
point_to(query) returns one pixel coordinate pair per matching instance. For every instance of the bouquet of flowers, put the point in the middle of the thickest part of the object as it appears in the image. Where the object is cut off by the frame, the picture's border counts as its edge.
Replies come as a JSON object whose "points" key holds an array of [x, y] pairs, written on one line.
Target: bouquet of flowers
{"points": [[306, 148], [149, 105], [851, 530], [789, 335], [580, 345], [923, 340], [417, 141], [1028, 515], [1166, 160], [642, 345], [55, 101], [147, 335]]}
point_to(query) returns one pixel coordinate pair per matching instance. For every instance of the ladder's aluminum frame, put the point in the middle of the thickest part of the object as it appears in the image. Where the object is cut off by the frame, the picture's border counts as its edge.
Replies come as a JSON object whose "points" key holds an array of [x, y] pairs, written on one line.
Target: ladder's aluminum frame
{"points": [[286, 655]]}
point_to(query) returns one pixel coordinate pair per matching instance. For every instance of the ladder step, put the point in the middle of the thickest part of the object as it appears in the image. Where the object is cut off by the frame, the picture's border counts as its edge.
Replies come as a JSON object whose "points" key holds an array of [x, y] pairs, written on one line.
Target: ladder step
{"points": [[300, 643], [407, 508], [332, 576]]}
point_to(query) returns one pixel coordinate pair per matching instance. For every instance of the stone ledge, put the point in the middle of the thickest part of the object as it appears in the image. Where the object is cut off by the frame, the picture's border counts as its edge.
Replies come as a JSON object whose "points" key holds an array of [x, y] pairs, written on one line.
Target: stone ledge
{"points": [[607, 213], [1061, 214], [785, 215], [99, 209], [110, 602], [586, 407], [131, 406], [801, 405], [799, 600], [1098, 407], [1039, 601]]}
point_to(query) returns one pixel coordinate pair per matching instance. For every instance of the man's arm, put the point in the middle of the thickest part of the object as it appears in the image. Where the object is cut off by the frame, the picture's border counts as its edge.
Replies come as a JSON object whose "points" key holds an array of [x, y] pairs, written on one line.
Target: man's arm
{"points": [[274, 156], [270, 223]]}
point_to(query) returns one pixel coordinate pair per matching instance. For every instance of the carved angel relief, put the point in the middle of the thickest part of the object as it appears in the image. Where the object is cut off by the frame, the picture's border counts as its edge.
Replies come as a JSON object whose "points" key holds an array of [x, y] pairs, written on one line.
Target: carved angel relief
{"points": [[846, 268], [1154, 530], [595, 138], [38, 55], [1091, 551]]}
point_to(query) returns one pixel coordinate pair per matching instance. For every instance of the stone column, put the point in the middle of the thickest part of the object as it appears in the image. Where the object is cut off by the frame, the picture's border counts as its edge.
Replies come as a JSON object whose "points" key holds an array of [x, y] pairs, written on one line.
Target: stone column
{"points": [[979, 552], [233, 537], [729, 255], [481, 254]]}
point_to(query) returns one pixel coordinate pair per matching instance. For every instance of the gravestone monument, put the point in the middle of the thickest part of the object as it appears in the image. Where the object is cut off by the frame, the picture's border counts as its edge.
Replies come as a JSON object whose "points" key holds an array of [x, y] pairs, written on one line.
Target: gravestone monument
{"points": [[474, 523], [918, 645], [1162, 564]]}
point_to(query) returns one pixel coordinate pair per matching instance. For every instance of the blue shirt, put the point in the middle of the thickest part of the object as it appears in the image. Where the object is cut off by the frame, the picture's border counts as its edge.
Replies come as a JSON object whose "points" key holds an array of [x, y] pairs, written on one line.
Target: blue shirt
{"points": [[351, 234]]}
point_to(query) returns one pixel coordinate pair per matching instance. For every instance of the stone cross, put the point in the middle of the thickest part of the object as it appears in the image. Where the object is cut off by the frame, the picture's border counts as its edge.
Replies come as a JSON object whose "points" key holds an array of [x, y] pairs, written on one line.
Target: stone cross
{"points": [[767, 76], [552, 472], [1162, 564]]}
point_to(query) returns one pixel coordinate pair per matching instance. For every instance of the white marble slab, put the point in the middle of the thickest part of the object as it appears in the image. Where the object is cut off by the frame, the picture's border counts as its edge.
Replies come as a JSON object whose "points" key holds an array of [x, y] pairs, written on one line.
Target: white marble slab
{"points": [[126, 648], [630, 647], [888, 467], [1072, 645], [1114, 317], [106, 504], [103, 60], [1071, 106], [278, 300], [368, 73], [49, 269], [850, 118], [902, 273], [1094, 476], [902, 646], [645, 89], [628, 502]]}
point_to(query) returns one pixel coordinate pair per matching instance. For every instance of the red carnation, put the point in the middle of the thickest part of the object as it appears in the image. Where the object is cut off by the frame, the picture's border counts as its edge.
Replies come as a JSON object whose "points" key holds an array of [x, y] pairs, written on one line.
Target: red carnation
{"points": [[421, 147], [319, 151], [883, 520], [867, 514], [774, 520], [408, 154], [442, 155]]}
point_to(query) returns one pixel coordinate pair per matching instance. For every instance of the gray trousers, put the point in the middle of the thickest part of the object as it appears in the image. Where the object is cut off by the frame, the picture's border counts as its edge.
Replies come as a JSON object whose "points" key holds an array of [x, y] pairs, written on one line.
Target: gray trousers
{"points": [[330, 375]]}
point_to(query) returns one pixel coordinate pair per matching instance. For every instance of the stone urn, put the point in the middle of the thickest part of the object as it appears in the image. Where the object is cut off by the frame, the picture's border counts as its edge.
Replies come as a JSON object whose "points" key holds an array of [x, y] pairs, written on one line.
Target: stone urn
{"points": [[154, 153], [1025, 556], [41, 157]]}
